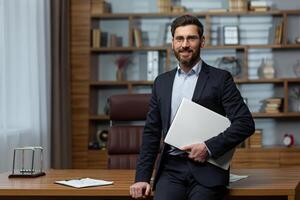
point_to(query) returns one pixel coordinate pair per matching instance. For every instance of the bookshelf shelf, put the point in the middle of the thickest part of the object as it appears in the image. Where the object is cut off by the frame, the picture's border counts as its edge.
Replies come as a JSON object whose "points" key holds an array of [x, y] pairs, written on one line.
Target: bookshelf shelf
{"points": [[277, 115], [275, 80], [120, 83], [238, 81], [255, 115], [127, 49], [199, 14]]}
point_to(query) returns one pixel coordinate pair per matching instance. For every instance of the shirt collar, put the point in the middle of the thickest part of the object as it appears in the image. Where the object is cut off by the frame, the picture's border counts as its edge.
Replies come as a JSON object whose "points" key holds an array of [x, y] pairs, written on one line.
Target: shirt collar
{"points": [[195, 70]]}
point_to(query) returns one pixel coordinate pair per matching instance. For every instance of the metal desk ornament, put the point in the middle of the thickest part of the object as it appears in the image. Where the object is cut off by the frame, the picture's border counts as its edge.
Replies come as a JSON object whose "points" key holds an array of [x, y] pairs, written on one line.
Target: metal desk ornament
{"points": [[27, 162]]}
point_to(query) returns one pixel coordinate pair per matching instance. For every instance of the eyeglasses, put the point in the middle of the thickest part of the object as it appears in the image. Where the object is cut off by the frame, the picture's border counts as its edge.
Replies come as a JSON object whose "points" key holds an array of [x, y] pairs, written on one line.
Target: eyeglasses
{"points": [[189, 39]]}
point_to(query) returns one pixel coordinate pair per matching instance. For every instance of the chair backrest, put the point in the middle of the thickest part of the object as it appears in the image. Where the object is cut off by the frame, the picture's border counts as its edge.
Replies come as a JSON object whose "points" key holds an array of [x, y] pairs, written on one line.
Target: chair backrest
{"points": [[124, 137]]}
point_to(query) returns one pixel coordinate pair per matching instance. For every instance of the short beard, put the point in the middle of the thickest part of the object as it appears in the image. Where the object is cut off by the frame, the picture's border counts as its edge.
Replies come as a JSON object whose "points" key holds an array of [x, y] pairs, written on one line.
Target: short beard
{"points": [[188, 63]]}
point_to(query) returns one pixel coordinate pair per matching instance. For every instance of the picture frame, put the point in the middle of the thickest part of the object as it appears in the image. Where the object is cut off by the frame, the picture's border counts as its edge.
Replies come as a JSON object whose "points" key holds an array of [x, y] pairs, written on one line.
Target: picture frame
{"points": [[231, 35]]}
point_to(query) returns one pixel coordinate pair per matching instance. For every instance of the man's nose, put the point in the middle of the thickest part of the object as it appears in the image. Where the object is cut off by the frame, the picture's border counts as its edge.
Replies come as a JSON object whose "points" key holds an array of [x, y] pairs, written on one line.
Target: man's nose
{"points": [[185, 43]]}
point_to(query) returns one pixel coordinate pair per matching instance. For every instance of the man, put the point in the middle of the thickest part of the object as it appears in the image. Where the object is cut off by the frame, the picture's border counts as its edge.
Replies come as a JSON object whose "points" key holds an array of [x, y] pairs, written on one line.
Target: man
{"points": [[181, 175]]}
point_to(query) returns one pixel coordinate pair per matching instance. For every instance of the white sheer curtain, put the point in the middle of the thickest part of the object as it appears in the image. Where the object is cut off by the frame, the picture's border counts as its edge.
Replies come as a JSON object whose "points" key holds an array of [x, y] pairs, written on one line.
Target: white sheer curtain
{"points": [[24, 77]]}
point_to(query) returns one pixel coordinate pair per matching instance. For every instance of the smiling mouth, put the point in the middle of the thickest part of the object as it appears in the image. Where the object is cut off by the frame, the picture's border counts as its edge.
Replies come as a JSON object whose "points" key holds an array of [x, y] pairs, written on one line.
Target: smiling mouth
{"points": [[185, 53]]}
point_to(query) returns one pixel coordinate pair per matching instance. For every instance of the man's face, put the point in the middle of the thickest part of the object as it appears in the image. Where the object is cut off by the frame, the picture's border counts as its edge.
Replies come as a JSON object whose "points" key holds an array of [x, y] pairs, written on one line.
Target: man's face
{"points": [[186, 45]]}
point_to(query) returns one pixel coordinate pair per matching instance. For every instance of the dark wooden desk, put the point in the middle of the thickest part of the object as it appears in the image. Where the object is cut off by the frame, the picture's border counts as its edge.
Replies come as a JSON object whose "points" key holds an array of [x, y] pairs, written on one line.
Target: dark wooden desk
{"points": [[267, 183]]}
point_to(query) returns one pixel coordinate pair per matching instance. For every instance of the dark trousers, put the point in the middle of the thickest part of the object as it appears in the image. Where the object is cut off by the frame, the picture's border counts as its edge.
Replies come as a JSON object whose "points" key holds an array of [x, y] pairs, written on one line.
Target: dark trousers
{"points": [[177, 183]]}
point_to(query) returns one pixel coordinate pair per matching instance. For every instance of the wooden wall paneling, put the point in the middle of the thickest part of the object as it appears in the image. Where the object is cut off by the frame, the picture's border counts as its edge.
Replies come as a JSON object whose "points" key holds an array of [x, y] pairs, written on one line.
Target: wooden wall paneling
{"points": [[79, 61]]}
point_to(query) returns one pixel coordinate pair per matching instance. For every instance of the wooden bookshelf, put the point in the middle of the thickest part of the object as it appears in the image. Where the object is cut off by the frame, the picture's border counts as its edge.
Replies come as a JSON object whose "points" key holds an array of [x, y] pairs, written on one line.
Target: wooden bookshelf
{"points": [[84, 85]]}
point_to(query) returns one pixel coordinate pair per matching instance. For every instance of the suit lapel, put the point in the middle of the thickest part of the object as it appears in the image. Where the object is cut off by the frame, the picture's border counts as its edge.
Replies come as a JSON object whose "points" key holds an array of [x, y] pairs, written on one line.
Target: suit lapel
{"points": [[201, 82], [169, 88]]}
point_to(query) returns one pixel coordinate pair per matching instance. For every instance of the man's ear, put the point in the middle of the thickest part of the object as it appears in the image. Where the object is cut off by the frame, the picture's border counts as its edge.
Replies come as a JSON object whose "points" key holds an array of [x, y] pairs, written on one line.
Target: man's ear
{"points": [[202, 44], [172, 43]]}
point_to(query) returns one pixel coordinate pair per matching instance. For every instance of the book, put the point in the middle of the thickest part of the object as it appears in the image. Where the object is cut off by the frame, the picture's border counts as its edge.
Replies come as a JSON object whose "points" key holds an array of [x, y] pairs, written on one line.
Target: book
{"points": [[84, 182], [278, 33], [96, 34], [255, 140], [272, 105], [104, 39], [137, 36], [113, 40]]}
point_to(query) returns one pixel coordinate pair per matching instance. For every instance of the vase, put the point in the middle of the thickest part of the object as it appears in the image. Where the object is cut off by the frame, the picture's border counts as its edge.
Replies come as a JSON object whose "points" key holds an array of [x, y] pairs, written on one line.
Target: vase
{"points": [[120, 75], [266, 69]]}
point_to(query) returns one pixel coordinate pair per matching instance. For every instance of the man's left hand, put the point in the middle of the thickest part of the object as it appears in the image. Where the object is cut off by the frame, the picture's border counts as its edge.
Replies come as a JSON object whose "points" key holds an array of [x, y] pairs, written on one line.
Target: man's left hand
{"points": [[197, 152]]}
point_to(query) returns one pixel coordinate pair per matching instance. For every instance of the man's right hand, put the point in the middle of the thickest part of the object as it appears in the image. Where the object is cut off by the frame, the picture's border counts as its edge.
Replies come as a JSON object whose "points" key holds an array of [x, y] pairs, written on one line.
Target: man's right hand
{"points": [[140, 190]]}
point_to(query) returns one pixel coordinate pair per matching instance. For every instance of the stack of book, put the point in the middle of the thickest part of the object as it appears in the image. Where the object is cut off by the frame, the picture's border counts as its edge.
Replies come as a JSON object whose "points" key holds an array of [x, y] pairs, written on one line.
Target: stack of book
{"points": [[99, 39], [259, 6], [99, 7], [255, 140], [238, 5], [278, 33], [272, 105], [164, 6]]}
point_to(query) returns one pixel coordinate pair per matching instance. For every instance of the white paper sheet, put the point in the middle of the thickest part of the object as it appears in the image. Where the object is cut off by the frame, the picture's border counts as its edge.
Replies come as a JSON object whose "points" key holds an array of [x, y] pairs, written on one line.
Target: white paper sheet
{"points": [[84, 182]]}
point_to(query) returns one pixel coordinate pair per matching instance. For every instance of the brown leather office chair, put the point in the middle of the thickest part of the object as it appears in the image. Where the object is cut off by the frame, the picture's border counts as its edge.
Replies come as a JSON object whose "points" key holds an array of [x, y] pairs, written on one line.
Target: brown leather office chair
{"points": [[127, 116]]}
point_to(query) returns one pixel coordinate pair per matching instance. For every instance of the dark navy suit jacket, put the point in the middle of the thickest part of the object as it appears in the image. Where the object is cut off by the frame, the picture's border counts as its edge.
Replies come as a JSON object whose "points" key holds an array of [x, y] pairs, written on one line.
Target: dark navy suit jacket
{"points": [[215, 90]]}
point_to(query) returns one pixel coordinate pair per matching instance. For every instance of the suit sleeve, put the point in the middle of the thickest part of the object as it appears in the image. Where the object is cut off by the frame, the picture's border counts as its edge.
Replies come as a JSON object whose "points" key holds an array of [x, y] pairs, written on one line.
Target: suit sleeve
{"points": [[242, 124], [150, 140]]}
